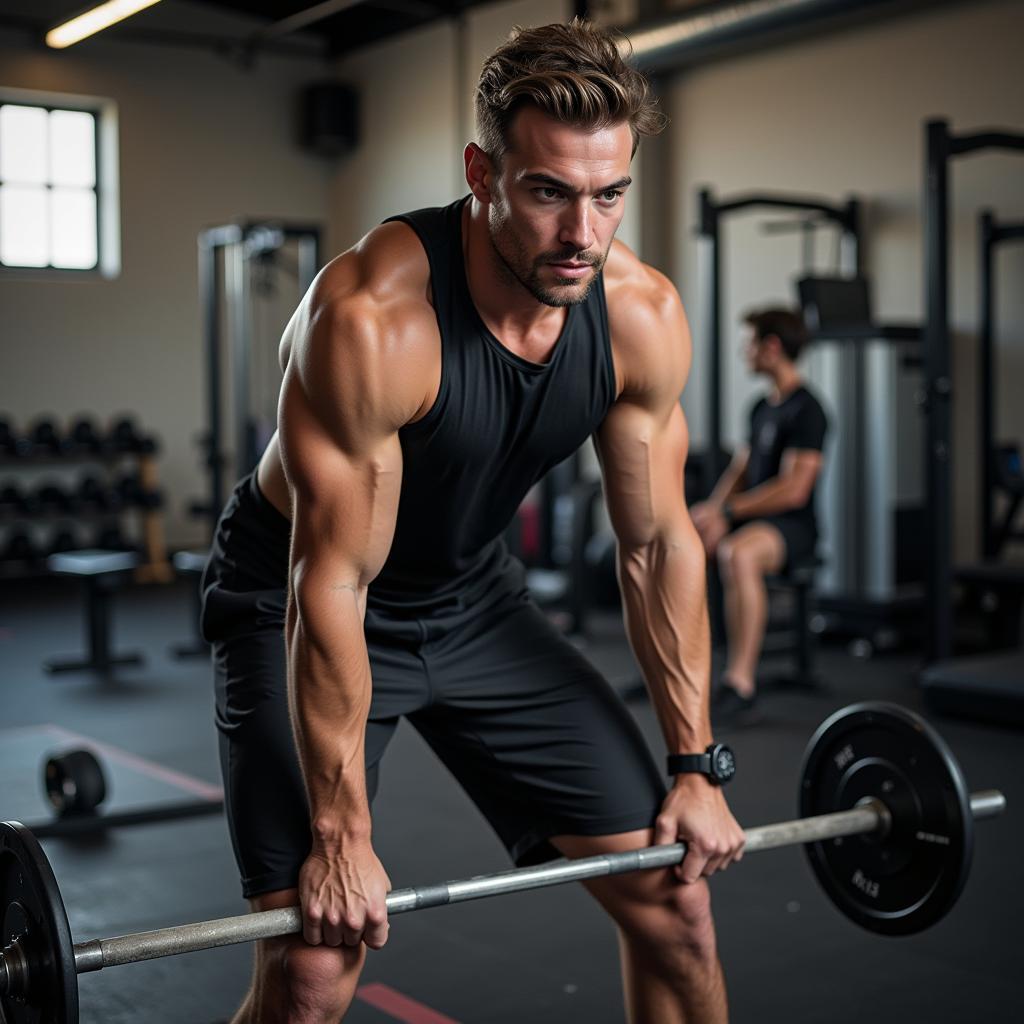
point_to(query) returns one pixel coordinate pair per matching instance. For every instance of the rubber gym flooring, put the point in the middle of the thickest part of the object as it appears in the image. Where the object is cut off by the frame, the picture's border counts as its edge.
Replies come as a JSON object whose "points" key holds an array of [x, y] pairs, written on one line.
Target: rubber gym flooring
{"points": [[545, 957]]}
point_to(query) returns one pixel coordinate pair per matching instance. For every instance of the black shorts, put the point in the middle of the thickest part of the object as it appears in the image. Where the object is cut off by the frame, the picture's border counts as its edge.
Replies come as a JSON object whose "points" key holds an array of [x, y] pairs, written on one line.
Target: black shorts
{"points": [[535, 735], [800, 538]]}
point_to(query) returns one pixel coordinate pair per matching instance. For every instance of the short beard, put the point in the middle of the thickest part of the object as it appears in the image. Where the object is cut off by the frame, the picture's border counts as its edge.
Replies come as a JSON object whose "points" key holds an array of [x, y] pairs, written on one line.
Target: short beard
{"points": [[515, 266]]}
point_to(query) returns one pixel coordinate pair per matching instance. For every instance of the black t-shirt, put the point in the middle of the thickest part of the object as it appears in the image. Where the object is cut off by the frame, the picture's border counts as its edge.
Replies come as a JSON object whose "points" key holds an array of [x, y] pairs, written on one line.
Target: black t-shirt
{"points": [[798, 421]]}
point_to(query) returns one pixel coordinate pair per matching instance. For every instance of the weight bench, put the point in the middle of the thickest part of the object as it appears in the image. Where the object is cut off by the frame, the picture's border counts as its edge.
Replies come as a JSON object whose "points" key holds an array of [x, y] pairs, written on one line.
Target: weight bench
{"points": [[191, 564], [799, 579], [102, 572]]}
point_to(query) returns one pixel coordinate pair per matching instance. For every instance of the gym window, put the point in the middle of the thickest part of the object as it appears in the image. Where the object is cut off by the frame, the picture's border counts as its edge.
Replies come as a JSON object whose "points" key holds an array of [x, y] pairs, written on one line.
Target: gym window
{"points": [[58, 188]]}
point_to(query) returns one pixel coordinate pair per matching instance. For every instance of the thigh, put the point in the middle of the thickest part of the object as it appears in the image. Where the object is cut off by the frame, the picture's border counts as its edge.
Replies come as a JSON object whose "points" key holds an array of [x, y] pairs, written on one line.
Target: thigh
{"points": [[758, 545], [537, 737], [800, 540]]}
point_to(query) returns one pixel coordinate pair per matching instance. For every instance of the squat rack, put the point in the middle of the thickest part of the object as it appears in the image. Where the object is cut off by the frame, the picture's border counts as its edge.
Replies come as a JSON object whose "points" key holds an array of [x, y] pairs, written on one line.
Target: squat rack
{"points": [[991, 233], [941, 146]]}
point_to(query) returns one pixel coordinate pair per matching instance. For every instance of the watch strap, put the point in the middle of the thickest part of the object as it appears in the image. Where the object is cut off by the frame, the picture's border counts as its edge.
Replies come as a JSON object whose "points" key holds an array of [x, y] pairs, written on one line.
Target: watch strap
{"points": [[679, 764]]}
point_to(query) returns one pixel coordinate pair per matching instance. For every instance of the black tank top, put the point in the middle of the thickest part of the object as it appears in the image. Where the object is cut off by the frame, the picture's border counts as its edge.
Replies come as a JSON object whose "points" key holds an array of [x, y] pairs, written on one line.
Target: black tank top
{"points": [[499, 423]]}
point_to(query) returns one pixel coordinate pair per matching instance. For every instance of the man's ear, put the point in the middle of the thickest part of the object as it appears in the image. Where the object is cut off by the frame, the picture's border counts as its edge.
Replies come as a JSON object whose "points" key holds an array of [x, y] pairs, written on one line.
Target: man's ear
{"points": [[479, 172]]}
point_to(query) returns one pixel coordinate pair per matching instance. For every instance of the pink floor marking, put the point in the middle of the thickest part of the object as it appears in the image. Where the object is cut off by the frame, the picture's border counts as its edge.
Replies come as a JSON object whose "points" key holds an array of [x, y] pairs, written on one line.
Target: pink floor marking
{"points": [[197, 787], [399, 1006]]}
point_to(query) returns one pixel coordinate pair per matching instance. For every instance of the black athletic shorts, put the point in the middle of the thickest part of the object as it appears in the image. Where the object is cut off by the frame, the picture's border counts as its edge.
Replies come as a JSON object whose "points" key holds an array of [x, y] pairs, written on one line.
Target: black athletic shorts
{"points": [[801, 540], [532, 731]]}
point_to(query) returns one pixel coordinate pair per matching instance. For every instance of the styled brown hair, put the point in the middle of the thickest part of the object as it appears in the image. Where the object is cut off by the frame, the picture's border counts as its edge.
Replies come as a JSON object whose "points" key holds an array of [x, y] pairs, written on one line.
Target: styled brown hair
{"points": [[784, 324], [575, 73]]}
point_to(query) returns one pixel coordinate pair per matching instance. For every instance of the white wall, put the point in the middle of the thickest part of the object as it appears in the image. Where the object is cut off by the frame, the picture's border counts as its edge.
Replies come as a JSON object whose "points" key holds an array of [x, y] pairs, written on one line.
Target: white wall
{"points": [[843, 114], [202, 142]]}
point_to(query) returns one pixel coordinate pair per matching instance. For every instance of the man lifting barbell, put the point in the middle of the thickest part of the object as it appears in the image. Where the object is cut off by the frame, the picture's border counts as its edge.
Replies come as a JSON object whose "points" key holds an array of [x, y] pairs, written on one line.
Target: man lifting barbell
{"points": [[431, 376]]}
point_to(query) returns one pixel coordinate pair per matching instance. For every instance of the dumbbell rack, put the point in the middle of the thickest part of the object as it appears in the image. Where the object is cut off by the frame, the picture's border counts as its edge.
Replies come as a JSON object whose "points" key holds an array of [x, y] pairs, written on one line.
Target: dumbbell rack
{"points": [[43, 521]]}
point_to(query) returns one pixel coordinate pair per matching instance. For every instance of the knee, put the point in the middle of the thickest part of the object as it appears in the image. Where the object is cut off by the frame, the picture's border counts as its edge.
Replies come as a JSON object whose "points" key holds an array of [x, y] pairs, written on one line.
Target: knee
{"points": [[743, 564], [319, 979], [689, 923], [678, 926]]}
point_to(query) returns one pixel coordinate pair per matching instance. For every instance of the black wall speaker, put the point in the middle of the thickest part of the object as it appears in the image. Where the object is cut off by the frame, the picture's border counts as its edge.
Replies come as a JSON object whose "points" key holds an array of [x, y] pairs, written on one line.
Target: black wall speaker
{"points": [[329, 118]]}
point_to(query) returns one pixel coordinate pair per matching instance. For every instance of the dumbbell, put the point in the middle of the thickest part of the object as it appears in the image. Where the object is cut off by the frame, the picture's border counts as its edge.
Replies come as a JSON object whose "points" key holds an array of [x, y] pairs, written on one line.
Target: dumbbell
{"points": [[19, 548], [63, 539], [20, 502], [50, 495], [11, 497], [44, 436], [12, 444], [125, 437], [84, 435], [129, 488], [74, 782], [92, 494], [133, 492]]}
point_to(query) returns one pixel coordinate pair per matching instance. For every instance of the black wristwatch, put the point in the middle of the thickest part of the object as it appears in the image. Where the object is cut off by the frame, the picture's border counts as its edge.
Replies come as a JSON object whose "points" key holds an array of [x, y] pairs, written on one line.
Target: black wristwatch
{"points": [[728, 515], [718, 763]]}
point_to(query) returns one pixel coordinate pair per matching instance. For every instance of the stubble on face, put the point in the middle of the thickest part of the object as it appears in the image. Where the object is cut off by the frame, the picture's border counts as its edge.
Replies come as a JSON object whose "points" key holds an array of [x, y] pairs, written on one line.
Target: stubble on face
{"points": [[516, 265]]}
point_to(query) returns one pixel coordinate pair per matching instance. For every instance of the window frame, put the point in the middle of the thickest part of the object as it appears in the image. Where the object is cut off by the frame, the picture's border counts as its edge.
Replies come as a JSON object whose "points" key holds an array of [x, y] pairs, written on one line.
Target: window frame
{"points": [[106, 189]]}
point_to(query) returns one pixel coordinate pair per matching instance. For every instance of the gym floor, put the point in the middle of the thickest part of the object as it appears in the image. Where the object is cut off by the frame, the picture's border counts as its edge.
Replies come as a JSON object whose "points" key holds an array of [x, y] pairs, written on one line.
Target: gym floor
{"points": [[546, 956]]}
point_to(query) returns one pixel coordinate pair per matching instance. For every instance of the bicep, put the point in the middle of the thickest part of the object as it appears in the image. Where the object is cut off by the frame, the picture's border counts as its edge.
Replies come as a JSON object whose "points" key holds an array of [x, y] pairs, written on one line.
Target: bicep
{"points": [[343, 462], [643, 442], [801, 466], [344, 499]]}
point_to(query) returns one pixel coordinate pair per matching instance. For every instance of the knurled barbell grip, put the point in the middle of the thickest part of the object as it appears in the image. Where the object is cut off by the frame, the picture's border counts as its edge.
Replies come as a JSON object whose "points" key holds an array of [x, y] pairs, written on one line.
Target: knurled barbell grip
{"points": [[868, 817]]}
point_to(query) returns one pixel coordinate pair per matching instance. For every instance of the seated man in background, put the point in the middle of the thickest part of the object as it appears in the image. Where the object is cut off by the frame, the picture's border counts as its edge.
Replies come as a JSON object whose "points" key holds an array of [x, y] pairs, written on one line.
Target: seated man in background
{"points": [[760, 516]]}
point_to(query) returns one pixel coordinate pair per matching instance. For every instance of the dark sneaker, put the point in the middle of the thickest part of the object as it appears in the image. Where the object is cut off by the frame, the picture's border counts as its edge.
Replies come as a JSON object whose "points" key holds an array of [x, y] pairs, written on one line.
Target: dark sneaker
{"points": [[728, 707]]}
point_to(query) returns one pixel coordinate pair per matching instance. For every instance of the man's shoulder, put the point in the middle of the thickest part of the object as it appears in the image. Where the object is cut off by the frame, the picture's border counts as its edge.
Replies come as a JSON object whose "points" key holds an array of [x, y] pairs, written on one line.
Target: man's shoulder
{"points": [[809, 404], [644, 308], [387, 267], [649, 333], [631, 283], [367, 322]]}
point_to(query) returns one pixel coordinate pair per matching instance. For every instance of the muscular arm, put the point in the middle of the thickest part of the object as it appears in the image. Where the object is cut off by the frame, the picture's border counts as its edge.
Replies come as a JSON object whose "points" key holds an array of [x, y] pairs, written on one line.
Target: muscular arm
{"points": [[340, 449], [642, 446], [359, 363], [791, 489]]}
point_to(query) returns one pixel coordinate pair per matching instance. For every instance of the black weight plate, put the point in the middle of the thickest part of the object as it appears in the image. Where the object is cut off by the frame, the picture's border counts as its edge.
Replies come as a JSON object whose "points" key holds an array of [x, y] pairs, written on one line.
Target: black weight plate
{"points": [[31, 910], [907, 880], [74, 782]]}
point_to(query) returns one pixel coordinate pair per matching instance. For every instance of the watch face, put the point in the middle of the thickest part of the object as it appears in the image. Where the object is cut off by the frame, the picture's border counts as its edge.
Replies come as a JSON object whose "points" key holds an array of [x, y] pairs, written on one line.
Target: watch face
{"points": [[723, 762]]}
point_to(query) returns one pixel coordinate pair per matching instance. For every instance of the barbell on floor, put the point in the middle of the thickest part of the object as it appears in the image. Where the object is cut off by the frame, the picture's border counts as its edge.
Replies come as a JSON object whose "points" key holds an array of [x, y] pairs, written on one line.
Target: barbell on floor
{"points": [[874, 773]]}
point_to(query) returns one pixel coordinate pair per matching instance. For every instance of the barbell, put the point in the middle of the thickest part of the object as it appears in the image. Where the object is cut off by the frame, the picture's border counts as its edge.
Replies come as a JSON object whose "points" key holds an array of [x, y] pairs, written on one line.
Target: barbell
{"points": [[887, 824]]}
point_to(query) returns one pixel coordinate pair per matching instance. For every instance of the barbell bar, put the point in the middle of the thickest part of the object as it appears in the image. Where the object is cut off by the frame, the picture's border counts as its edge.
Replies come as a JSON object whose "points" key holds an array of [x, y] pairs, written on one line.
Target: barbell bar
{"points": [[866, 819], [892, 848]]}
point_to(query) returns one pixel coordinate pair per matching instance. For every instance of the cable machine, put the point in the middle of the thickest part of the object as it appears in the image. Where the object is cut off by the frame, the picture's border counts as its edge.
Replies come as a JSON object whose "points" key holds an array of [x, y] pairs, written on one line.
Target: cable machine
{"points": [[251, 277]]}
